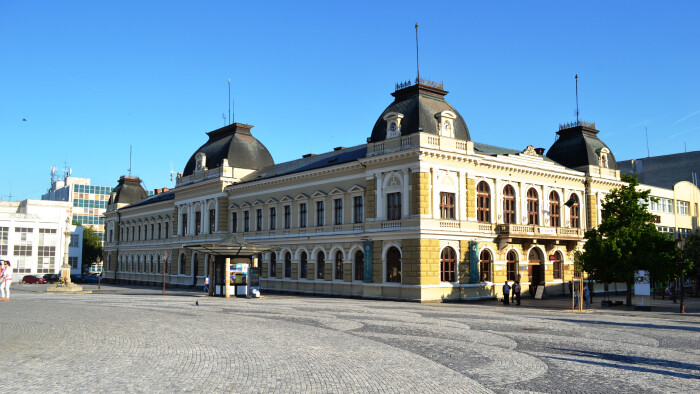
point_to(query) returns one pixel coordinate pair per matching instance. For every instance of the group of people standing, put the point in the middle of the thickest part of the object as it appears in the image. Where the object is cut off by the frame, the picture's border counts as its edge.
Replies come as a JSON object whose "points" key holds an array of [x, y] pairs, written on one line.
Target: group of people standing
{"points": [[516, 292], [6, 278]]}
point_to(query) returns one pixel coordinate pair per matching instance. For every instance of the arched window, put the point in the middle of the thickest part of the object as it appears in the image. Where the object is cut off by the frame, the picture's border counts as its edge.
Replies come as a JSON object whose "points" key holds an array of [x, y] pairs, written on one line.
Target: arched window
{"points": [[508, 205], [287, 265], [485, 266], [533, 216], [304, 265], [574, 211], [447, 265], [554, 210], [320, 265], [393, 265], [273, 265], [483, 202], [512, 265], [182, 264], [359, 265], [604, 160], [339, 265], [556, 265]]}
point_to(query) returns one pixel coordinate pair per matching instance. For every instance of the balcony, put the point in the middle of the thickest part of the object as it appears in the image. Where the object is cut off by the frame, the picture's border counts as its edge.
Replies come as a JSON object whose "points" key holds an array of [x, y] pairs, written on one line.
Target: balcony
{"points": [[539, 232]]}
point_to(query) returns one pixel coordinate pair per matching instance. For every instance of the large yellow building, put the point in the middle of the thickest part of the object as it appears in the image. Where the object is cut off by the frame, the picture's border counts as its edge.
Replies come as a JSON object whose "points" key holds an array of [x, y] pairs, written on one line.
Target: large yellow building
{"points": [[418, 212]]}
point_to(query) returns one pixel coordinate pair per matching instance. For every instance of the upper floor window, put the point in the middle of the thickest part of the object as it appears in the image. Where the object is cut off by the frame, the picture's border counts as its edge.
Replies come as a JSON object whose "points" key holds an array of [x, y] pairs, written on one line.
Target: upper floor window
{"points": [[302, 215], [320, 214], [160, 228], [152, 228], [167, 226], [183, 230], [554, 213], [234, 222], [447, 205], [683, 207], [246, 221], [338, 211], [273, 218], [358, 209], [483, 202], [574, 211], [287, 217], [212, 221], [197, 223], [508, 205], [393, 206], [533, 216]]}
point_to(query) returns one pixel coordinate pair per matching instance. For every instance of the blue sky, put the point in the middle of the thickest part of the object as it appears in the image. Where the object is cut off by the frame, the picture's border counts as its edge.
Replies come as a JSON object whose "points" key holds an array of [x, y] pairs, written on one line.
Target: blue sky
{"points": [[91, 78]]}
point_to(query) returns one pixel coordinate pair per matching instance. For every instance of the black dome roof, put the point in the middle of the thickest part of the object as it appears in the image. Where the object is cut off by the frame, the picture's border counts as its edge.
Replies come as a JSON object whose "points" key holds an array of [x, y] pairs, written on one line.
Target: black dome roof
{"points": [[235, 143], [419, 103], [128, 191], [579, 146]]}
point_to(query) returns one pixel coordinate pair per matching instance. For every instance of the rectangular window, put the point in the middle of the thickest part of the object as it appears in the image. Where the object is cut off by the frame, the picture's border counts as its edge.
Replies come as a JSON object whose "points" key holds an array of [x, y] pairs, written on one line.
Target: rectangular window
{"points": [[153, 226], [393, 206], [684, 232], [320, 213], [183, 231], [46, 259], [273, 218], [302, 215], [258, 220], [23, 250], [358, 209], [160, 228], [197, 223], [24, 233], [234, 222], [167, 225], [666, 205], [683, 207], [212, 221], [73, 261], [447, 205], [74, 241], [246, 221], [287, 217], [338, 211]]}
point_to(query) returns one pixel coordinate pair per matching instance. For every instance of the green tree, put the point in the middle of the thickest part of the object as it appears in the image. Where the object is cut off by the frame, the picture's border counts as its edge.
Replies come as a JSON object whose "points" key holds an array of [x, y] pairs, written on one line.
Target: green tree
{"points": [[691, 254], [627, 240], [92, 247]]}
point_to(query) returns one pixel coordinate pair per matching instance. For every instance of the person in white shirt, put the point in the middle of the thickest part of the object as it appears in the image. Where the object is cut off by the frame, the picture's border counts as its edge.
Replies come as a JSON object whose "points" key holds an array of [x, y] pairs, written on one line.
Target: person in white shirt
{"points": [[6, 277]]}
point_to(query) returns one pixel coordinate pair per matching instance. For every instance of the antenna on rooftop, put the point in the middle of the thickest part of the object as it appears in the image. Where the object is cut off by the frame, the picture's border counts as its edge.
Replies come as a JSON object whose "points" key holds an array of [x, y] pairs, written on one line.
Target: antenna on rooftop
{"points": [[53, 174], [646, 133], [223, 116], [576, 98], [229, 101], [417, 64], [130, 149]]}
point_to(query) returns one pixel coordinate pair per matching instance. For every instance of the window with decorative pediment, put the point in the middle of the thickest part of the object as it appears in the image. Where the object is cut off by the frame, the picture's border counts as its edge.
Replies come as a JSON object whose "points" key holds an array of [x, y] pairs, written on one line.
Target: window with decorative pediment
{"points": [[393, 124], [574, 211], [483, 202], [554, 210], [200, 162], [445, 121]]}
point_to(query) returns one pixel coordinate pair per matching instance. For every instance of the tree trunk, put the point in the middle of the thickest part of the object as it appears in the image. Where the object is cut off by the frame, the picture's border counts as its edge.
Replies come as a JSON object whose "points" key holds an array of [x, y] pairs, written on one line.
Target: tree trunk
{"points": [[629, 293]]}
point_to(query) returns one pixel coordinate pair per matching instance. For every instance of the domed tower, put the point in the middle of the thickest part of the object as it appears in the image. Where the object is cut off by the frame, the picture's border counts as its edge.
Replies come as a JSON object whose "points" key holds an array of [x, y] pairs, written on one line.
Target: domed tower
{"points": [[233, 146], [128, 191], [578, 147], [419, 107]]}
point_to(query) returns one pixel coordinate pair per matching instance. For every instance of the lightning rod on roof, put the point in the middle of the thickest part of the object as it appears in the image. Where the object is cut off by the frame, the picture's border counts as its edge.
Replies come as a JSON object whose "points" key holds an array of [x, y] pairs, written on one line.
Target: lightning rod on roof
{"points": [[576, 98], [130, 149], [417, 64]]}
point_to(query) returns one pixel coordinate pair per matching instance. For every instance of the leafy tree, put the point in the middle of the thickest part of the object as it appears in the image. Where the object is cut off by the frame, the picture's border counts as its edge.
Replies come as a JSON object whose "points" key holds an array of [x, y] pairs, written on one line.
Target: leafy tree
{"points": [[627, 240], [92, 247], [691, 254]]}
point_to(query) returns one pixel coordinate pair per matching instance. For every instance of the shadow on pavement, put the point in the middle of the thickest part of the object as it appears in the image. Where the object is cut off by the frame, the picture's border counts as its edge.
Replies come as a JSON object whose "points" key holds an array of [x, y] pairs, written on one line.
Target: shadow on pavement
{"points": [[644, 325]]}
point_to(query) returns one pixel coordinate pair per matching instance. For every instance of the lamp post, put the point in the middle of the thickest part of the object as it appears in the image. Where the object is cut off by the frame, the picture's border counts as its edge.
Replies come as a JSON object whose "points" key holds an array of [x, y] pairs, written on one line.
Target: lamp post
{"points": [[165, 267], [681, 244]]}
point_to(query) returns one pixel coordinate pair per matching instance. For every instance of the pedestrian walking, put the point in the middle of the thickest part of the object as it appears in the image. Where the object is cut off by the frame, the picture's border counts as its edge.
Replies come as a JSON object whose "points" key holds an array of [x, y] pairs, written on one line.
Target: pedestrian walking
{"points": [[206, 284], [576, 296], [6, 278], [506, 293], [516, 292], [587, 297]]}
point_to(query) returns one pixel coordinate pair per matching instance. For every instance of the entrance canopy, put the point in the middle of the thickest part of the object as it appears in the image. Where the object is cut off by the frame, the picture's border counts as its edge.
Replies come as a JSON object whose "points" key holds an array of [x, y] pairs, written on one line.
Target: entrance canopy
{"points": [[234, 245]]}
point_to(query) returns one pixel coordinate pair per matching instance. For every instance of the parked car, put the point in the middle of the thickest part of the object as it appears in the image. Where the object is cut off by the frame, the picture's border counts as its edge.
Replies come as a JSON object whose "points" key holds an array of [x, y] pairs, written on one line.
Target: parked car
{"points": [[90, 279], [32, 279], [52, 278]]}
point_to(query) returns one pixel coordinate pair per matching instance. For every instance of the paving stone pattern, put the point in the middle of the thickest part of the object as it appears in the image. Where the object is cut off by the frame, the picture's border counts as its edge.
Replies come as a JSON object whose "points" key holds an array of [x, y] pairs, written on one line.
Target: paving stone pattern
{"points": [[141, 341]]}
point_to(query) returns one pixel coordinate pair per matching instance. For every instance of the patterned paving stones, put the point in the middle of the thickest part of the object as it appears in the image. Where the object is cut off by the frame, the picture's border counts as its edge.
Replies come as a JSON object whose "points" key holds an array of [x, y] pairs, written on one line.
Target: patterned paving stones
{"points": [[136, 340]]}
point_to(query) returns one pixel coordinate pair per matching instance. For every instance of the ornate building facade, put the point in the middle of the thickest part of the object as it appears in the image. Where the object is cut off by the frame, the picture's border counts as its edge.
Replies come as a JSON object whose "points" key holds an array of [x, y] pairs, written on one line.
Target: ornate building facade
{"points": [[418, 212]]}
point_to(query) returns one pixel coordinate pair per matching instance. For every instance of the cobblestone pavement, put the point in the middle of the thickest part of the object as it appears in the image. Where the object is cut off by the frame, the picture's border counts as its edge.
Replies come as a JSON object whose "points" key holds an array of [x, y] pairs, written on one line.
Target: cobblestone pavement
{"points": [[135, 340]]}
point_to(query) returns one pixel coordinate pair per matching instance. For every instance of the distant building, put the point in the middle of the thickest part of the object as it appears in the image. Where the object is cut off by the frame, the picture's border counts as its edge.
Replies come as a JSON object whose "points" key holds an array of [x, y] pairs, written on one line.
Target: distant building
{"points": [[89, 202], [32, 237], [664, 171]]}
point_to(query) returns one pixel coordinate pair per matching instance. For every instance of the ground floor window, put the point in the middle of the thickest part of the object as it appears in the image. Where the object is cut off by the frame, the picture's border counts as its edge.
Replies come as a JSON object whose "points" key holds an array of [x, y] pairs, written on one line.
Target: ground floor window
{"points": [[359, 265], [339, 265], [556, 265], [512, 266], [288, 265], [485, 266], [393, 265], [320, 265], [304, 265], [447, 265]]}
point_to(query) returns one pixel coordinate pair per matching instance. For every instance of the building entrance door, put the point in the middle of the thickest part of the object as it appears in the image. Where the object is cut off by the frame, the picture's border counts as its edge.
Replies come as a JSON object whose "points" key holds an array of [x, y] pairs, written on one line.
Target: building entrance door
{"points": [[535, 270]]}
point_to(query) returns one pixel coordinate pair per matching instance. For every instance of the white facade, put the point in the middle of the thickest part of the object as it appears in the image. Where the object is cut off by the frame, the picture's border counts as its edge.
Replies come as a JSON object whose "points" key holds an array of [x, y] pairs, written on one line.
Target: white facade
{"points": [[32, 237]]}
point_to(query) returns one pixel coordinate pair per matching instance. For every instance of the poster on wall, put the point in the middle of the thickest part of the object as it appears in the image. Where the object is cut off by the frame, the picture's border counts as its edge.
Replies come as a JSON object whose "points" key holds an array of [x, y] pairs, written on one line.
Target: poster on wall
{"points": [[642, 283], [368, 261], [473, 262]]}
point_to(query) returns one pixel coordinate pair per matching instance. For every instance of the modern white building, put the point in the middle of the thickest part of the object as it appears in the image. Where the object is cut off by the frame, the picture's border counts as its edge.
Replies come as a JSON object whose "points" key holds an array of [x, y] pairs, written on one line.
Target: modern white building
{"points": [[32, 237]]}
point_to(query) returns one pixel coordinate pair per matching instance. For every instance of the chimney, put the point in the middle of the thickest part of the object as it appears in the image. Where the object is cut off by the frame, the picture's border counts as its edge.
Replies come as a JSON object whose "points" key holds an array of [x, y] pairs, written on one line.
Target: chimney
{"points": [[157, 191], [540, 151], [308, 155], [165, 189], [339, 148]]}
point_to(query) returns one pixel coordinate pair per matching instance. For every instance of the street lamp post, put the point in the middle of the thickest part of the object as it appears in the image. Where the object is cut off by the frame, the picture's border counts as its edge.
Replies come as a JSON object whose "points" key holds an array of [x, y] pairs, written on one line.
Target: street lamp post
{"points": [[681, 244], [165, 267]]}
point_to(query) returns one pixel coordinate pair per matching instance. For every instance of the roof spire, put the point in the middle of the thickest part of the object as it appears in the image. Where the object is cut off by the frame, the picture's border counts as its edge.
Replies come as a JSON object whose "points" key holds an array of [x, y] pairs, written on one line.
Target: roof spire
{"points": [[576, 97], [417, 66]]}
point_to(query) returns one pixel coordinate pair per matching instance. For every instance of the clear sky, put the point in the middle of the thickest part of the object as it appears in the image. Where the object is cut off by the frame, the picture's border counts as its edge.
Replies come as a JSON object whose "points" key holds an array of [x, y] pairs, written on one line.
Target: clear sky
{"points": [[93, 77]]}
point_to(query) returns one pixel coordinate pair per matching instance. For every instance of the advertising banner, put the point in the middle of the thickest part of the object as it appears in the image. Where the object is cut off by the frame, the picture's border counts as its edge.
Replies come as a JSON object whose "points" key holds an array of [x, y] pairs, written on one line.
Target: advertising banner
{"points": [[368, 261], [473, 262]]}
